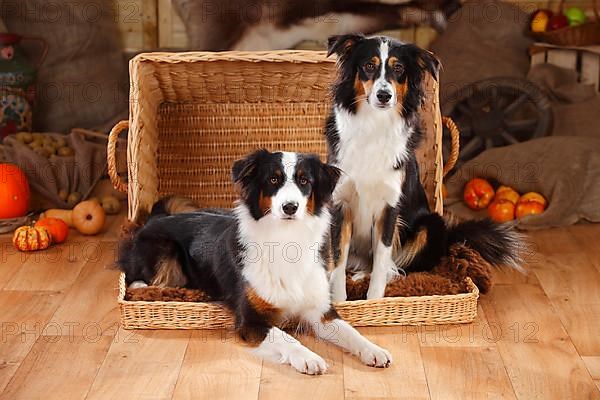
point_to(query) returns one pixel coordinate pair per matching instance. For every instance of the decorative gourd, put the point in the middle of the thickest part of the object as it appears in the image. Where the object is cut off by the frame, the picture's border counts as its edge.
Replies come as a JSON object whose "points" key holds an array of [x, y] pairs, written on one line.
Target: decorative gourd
{"points": [[29, 238], [88, 217], [58, 229], [14, 192]]}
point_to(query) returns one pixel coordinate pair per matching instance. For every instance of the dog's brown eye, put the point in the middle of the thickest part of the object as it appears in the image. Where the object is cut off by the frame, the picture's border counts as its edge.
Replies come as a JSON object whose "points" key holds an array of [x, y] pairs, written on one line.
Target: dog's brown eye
{"points": [[274, 180], [398, 68], [303, 181], [369, 67]]}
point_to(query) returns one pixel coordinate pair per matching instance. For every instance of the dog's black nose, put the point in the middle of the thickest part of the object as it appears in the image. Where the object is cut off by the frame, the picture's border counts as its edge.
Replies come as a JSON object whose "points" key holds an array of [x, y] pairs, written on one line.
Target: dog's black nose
{"points": [[383, 96], [290, 208]]}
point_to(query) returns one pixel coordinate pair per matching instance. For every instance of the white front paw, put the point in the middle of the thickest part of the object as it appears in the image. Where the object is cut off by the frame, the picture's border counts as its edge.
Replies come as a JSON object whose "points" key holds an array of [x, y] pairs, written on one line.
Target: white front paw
{"points": [[307, 362], [374, 356]]}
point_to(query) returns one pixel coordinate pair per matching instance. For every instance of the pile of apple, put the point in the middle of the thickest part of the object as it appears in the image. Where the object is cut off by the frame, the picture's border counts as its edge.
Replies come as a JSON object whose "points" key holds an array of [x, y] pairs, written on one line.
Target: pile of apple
{"points": [[503, 204], [545, 20]]}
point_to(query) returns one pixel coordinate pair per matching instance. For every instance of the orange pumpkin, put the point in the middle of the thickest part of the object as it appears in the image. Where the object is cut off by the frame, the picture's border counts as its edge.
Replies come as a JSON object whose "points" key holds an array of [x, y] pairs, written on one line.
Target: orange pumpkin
{"points": [[14, 192], [29, 238], [58, 229]]}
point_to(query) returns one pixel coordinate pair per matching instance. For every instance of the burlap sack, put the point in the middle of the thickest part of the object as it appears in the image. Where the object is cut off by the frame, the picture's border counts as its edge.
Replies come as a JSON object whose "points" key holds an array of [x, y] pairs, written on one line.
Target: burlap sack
{"points": [[566, 170], [46, 176], [484, 39], [83, 81], [575, 105]]}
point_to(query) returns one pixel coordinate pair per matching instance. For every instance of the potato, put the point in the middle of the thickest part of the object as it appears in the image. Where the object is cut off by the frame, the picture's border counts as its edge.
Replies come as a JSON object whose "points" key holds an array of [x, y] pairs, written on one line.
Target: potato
{"points": [[110, 204], [51, 149], [36, 143], [65, 151], [24, 137], [42, 151], [61, 142], [73, 199], [63, 194]]}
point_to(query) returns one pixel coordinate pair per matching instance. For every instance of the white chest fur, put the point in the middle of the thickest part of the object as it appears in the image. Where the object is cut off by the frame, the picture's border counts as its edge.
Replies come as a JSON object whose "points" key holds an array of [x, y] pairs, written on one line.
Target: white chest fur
{"points": [[282, 262], [371, 143]]}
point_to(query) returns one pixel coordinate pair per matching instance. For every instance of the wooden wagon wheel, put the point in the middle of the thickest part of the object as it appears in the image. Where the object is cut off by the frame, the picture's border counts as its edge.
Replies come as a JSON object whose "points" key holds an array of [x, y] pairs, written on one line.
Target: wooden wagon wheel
{"points": [[497, 112]]}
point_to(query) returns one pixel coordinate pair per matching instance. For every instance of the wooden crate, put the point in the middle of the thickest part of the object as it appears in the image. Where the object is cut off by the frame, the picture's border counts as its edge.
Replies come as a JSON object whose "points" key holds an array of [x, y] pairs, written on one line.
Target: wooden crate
{"points": [[584, 60]]}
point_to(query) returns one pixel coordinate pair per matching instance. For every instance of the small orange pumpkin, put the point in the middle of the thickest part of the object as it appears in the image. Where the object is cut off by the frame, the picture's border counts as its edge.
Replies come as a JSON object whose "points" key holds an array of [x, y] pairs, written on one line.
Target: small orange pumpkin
{"points": [[29, 238], [58, 229]]}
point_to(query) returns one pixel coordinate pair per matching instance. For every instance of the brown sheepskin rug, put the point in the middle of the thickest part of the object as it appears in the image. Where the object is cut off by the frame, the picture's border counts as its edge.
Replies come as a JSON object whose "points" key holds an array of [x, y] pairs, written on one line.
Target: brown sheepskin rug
{"points": [[446, 279]]}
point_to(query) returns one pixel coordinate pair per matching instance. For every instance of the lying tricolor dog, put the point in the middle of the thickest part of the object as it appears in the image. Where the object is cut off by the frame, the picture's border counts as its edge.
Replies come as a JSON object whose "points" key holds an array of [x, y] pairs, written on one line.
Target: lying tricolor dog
{"points": [[267, 259], [382, 221]]}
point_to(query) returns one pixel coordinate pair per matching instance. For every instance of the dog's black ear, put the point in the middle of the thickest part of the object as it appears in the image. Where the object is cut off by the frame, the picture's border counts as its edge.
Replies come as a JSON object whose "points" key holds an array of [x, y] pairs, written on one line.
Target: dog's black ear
{"points": [[429, 62], [244, 168], [328, 178], [342, 45]]}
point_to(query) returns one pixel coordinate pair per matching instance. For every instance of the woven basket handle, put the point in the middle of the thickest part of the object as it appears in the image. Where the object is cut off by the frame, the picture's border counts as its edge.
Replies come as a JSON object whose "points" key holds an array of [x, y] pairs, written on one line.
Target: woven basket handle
{"points": [[111, 152], [455, 145]]}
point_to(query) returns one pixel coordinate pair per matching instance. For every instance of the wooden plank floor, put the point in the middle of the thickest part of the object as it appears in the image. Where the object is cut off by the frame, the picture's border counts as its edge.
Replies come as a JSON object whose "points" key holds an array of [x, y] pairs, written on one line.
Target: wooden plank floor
{"points": [[535, 336]]}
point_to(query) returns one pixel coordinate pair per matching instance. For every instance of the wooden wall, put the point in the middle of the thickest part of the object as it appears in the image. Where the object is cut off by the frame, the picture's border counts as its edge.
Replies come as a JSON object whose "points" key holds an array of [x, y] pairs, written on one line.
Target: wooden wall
{"points": [[151, 24]]}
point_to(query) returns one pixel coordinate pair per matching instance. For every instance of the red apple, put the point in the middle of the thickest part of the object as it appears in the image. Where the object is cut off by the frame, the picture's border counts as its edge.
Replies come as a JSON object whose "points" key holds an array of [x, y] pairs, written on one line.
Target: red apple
{"points": [[478, 193], [501, 210], [558, 21]]}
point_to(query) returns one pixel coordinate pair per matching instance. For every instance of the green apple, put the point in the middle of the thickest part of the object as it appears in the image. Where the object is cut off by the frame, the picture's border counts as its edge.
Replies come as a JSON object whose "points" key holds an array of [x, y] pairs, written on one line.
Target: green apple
{"points": [[575, 15]]}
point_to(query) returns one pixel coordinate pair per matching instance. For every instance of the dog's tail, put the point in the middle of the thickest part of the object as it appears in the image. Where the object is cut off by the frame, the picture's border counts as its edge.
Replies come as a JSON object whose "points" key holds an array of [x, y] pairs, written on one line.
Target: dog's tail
{"points": [[499, 244], [432, 236]]}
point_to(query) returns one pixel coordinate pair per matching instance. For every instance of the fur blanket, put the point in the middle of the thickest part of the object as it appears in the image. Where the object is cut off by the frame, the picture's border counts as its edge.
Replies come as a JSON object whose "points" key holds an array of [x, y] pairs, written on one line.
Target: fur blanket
{"points": [[446, 279]]}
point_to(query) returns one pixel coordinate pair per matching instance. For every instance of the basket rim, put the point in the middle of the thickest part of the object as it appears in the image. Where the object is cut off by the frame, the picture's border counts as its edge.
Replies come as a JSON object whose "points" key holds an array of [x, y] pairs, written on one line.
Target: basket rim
{"points": [[472, 293], [291, 56]]}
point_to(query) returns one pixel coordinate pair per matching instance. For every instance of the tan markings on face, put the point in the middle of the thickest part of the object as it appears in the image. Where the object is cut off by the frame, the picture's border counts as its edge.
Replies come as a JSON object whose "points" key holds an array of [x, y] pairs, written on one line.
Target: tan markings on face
{"points": [[310, 204], [401, 89], [360, 91], [363, 88], [264, 203]]}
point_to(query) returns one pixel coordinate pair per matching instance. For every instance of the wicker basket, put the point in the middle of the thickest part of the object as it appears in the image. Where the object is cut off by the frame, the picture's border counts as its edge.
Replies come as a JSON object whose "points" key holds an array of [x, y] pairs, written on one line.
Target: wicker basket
{"points": [[581, 35], [421, 310], [193, 114]]}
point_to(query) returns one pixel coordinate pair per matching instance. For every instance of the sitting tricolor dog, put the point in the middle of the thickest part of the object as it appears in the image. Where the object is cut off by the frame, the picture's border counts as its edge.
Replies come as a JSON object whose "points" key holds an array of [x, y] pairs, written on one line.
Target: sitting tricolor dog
{"points": [[267, 259], [382, 221]]}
